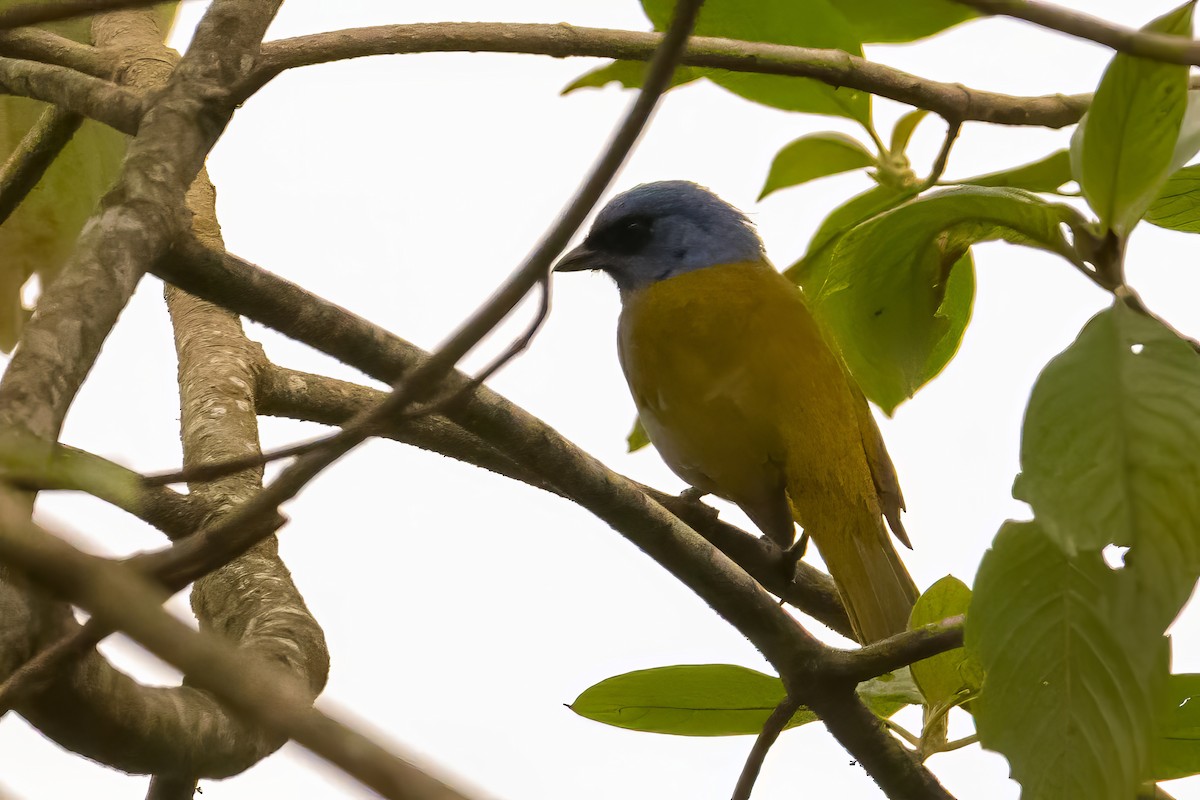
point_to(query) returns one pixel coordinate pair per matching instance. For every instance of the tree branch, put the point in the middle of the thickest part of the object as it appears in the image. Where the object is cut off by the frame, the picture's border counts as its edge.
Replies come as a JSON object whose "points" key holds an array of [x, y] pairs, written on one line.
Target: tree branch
{"points": [[1147, 44], [252, 599], [34, 154], [774, 726], [98, 99], [331, 329], [120, 597], [35, 44], [833, 67], [316, 398], [900, 650], [92, 708]]}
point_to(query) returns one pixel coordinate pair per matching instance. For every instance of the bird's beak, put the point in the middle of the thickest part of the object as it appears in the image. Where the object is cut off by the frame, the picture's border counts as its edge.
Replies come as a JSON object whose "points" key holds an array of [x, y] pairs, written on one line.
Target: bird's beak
{"points": [[577, 260]]}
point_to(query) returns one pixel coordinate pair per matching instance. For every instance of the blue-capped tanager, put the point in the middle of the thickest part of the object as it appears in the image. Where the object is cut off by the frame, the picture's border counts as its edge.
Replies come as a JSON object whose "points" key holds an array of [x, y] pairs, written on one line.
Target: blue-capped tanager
{"points": [[743, 395]]}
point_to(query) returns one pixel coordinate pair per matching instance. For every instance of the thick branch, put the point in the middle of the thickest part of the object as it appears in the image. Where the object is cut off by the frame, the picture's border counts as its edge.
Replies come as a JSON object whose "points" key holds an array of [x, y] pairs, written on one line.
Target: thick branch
{"points": [[251, 600], [865, 737], [35, 44], [98, 99], [833, 67], [1158, 46], [316, 398], [92, 708], [120, 597], [900, 650]]}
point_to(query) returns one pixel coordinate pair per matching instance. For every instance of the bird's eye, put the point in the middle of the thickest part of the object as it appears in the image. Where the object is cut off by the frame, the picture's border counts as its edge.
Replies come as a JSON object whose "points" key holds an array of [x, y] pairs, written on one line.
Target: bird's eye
{"points": [[627, 236]]}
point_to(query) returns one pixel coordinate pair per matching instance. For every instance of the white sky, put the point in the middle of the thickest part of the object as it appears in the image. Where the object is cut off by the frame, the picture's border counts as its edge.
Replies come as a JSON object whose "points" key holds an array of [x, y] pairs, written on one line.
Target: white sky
{"points": [[464, 610]]}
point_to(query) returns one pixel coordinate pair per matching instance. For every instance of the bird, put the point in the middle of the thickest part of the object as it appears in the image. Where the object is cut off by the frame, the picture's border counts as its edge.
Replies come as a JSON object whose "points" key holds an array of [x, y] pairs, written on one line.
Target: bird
{"points": [[743, 393]]}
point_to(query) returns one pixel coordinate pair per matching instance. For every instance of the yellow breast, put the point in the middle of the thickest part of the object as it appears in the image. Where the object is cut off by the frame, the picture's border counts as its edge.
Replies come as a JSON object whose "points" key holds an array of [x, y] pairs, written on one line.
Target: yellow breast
{"points": [[739, 390]]}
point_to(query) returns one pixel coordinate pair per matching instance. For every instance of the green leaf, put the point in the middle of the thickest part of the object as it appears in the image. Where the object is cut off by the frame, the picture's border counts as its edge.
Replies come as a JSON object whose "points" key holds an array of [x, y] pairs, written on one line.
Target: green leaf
{"points": [[883, 297], [1070, 696], [1177, 752], [1178, 204], [1044, 175], [889, 21], [1110, 451], [627, 73], [902, 133], [802, 23], [40, 234], [945, 675], [1129, 137], [637, 438], [810, 271], [815, 156], [711, 700]]}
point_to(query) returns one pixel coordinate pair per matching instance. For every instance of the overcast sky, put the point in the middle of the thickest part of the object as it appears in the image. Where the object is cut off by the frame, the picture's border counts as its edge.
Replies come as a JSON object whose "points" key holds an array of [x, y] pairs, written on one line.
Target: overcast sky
{"points": [[464, 610]]}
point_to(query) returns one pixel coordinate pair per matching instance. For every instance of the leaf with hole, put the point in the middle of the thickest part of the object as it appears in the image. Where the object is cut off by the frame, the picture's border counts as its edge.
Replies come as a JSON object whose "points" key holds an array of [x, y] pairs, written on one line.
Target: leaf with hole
{"points": [[1110, 451], [1071, 695]]}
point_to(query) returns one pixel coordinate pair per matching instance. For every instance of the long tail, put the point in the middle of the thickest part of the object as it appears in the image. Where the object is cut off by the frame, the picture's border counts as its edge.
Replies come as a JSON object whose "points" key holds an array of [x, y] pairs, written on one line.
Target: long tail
{"points": [[876, 588]]}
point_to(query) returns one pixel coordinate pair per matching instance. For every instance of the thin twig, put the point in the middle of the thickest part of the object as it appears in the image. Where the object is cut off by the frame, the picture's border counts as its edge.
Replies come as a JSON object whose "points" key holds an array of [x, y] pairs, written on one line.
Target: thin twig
{"points": [[1147, 44], [34, 154], [903, 732], [42, 11], [833, 67], [518, 346], [201, 473], [774, 726], [958, 744], [900, 650], [954, 127]]}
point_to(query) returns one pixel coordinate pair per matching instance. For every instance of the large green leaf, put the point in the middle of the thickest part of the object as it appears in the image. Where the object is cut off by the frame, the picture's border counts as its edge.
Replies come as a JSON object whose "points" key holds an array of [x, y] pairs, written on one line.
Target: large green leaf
{"points": [[38, 237], [946, 675], [1178, 203], [1071, 696], [883, 295], [889, 21], [803, 23], [1177, 752], [1044, 175], [713, 699], [1110, 451], [815, 156], [1128, 139]]}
